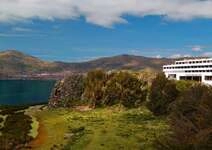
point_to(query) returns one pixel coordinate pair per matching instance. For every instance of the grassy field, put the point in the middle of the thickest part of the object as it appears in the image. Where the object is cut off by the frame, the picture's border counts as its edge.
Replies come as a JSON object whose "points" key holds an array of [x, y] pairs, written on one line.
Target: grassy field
{"points": [[105, 128]]}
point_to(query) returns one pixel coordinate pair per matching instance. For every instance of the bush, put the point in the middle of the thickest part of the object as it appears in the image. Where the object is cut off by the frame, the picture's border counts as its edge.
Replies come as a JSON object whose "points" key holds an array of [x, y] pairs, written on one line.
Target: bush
{"points": [[68, 92], [94, 84], [99, 88], [162, 93], [124, 88], [191, 119], [14, 133], [183, 85]]}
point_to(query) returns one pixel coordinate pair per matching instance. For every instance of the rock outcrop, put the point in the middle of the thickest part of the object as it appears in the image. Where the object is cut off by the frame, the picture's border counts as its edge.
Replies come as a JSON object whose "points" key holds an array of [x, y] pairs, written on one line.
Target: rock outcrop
{"points": [[67, 92]]}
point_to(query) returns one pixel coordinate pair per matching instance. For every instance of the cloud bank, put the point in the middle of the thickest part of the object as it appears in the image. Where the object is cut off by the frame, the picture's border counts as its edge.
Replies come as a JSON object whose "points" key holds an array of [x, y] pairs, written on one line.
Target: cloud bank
{"points": [[104, 13]]}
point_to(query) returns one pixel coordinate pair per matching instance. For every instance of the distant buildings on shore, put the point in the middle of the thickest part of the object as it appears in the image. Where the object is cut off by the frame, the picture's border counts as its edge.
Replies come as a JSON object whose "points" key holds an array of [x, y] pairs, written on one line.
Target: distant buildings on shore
{"points": [[190, 69]]}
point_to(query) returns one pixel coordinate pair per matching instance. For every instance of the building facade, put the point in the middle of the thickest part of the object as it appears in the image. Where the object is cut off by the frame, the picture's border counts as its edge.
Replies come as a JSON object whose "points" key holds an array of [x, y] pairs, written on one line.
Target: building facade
{"points": [[190, 69]]}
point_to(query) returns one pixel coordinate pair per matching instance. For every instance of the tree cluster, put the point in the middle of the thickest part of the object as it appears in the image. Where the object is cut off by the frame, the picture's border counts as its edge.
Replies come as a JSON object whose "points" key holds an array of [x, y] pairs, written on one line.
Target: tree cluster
{"points": [[107, 89], [191, 119], [98, 88], [188, 107], [162, 93]]}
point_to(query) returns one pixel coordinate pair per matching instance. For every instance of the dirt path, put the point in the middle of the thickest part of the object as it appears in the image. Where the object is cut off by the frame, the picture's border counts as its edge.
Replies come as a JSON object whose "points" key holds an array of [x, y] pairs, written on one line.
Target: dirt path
{"points": [[83, 108], [41, 137]]}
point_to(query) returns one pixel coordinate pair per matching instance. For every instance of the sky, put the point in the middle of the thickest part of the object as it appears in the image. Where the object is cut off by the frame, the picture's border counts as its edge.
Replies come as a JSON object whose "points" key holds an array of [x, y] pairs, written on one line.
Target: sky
{"points": [[81, 30]]}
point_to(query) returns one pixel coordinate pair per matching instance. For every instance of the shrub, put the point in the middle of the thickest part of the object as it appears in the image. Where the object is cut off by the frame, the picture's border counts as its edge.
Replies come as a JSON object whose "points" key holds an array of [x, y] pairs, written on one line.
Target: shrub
{"points": [[191, 119], [183, 85], [68, 92], [14, 133], [94, 84], [99, 88], [162, 93], [125, 88]]}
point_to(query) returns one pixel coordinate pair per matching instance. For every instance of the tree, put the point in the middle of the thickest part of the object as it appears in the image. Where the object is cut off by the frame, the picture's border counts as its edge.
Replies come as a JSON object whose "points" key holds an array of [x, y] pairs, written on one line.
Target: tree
{"points": [[125, 88], [94, 84], [162, 93], [183, 85], [191, 119]]}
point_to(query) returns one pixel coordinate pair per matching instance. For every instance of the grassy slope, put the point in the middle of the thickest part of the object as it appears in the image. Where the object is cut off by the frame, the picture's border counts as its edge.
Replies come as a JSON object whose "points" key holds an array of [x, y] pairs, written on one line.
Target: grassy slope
{"points": [[107, 128]]}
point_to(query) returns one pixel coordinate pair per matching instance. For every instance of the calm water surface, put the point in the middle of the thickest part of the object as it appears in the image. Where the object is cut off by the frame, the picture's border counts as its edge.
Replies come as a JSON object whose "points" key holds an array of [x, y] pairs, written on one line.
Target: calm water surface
{"points": [[24, 92]]}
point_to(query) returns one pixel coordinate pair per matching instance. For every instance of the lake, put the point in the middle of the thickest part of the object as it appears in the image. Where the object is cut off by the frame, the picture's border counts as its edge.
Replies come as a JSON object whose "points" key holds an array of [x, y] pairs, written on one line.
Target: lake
{"points": [[25, 92]]}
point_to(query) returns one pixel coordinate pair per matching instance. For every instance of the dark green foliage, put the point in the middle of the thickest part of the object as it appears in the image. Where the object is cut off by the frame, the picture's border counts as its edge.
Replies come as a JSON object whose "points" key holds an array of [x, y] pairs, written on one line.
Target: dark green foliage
{"points": [[68, 92], [183, 85], [15, 131], [162, 93], [94, 84], [99, 88], [126, 89], [5, 110], [1, 120], [190, 121], [76, 130]]}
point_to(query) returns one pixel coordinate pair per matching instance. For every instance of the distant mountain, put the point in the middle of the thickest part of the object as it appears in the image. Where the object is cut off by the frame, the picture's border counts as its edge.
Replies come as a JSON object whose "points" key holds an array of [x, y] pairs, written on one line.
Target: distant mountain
{"points": [[15, 63]]}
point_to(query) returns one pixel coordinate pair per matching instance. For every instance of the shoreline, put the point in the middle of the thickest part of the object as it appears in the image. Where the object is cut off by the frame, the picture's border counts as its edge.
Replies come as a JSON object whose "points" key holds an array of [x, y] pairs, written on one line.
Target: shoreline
{"points": [[24, 106]]}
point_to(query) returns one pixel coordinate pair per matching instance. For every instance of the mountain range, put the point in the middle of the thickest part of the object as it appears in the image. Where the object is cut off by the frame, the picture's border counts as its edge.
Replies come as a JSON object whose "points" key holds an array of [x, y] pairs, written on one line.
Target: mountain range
{"points": [[17, 64]]}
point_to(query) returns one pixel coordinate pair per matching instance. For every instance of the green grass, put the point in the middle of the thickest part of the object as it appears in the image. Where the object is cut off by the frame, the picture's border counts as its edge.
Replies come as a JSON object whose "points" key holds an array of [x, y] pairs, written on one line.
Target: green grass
{"points": [[34, 128], [106, 128], [2, 120]]}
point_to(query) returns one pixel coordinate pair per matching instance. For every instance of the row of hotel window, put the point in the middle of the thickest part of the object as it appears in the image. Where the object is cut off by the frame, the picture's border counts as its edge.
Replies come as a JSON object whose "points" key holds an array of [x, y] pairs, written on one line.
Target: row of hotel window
{"points": [[196, 78], [194, 62], [208, 78], [185, 67], [188, 71]]}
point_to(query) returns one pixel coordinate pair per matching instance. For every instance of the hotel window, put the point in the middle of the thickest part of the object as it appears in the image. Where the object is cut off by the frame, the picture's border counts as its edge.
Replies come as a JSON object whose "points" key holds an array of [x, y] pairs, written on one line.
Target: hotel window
{"points": [[208, 78], [172, 76]]}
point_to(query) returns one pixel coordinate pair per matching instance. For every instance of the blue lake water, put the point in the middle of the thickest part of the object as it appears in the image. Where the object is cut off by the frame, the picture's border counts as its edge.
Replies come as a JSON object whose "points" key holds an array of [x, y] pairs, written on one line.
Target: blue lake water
{"points": [[25, 92]]}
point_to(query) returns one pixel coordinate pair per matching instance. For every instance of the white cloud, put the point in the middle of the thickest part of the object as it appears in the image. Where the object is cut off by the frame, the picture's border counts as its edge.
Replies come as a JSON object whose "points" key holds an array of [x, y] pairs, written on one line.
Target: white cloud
{"points": [[135, 52], [179, 55], [187, 55], [103, 12], [158, 56], [21, 35], [20, 29], [197, 48], [11, 35], [176, 56], [207, 54]]}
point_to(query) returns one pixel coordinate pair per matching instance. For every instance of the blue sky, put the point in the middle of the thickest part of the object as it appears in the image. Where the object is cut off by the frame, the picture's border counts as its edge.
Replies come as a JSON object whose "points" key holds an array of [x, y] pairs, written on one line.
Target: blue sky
{"points": [[80, 38]]}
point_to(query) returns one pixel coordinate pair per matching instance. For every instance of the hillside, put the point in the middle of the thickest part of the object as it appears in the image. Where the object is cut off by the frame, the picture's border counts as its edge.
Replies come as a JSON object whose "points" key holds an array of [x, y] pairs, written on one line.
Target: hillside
{"points": [[15, 63], [130, 62]]}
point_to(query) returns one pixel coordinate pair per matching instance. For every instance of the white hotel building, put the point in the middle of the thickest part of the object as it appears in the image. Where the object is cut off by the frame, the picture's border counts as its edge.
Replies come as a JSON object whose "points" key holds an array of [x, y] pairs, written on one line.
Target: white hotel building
{"points": [[190, 69]]}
